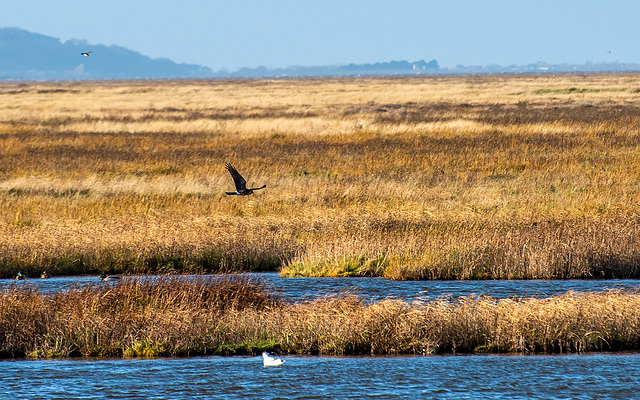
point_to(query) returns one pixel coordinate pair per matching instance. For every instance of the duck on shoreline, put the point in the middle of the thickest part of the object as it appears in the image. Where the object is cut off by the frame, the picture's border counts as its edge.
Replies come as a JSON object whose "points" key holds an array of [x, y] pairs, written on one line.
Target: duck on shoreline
{"points": [[107, 278]]}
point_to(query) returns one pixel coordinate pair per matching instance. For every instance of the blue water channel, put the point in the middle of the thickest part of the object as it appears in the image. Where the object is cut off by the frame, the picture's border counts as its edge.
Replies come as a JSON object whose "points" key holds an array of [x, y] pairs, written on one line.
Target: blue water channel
{"points": [[595, 376], [375, 289], [590, 376]]}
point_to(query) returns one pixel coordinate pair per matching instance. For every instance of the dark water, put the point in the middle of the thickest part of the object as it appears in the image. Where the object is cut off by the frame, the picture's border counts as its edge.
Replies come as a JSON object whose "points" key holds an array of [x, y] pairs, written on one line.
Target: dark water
{"points": [[377, 288], [593, 376], [596, 376], [374, 289]]}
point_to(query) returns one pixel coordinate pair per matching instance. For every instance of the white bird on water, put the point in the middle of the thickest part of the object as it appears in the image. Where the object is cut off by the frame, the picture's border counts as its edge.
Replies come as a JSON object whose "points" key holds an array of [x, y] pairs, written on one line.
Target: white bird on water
{"points": [[269, 361]]}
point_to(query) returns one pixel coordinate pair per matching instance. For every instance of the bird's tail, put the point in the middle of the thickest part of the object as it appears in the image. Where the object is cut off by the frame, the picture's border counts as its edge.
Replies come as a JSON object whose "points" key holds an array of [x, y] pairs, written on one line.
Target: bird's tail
{"points": [[231, 193]]}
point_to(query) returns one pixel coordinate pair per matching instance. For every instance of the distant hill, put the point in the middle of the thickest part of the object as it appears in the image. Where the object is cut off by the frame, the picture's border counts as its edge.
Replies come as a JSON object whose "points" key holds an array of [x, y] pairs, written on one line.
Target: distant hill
{"points": [[31, 56]]}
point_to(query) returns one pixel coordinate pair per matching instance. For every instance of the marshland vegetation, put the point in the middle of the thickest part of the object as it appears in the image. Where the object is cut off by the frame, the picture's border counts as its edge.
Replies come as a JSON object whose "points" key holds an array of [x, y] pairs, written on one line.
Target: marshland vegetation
{"points": [[235, 314], [494, 177]]}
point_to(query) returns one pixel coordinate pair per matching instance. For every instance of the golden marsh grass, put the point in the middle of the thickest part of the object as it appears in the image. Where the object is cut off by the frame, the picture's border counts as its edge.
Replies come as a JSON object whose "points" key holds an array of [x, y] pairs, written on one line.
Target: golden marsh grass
{"points": [[237, 315], [406, 178]]}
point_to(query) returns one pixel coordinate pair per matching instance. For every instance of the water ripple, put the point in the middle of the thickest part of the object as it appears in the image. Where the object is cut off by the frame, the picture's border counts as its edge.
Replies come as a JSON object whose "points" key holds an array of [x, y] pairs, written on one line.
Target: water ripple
{"points": [[602, 376], [375, 289]]}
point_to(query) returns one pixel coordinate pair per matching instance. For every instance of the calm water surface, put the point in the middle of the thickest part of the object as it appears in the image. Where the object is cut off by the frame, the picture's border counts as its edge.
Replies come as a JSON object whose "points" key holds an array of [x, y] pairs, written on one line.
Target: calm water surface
{"points": [[596, 376]]}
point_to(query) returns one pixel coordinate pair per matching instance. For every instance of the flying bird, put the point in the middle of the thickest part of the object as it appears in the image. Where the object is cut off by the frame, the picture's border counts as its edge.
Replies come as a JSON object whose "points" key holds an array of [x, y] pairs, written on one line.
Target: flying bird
{"points": [[86, 54], [269, 361], [241, 184]]}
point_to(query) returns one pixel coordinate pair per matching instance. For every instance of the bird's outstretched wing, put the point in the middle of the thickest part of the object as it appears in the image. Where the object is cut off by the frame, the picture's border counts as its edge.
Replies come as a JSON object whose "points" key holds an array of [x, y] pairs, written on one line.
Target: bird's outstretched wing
{"points": [[238, 180]]}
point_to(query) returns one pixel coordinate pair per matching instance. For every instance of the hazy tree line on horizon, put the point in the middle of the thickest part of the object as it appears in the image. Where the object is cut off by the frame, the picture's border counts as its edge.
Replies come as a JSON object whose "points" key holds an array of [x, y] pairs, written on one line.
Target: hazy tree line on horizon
{"points": [[49, 58]]}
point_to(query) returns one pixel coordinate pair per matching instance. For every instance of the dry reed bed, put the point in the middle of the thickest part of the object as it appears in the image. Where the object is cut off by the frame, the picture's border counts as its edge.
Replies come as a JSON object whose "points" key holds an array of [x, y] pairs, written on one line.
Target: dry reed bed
{"points": [[407, 178], [238, 315]]}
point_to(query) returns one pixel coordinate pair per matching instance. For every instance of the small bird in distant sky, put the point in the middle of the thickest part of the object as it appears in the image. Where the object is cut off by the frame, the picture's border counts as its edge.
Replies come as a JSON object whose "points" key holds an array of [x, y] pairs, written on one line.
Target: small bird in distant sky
{"points": [[86, 54]]}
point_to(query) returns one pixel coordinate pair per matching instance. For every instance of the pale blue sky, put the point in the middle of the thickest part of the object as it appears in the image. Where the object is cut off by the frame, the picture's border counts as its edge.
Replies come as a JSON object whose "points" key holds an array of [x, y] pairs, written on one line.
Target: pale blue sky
{"points": [[231, 34]]}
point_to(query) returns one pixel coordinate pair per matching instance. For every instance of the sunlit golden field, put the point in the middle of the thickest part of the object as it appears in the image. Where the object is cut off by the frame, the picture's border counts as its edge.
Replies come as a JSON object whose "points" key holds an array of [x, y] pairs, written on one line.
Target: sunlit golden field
{"points": [[406, 178]]}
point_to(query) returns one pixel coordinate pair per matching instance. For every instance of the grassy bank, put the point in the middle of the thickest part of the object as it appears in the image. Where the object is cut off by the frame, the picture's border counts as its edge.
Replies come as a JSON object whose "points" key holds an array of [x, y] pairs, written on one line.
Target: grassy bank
{"points": [[530, 177], [237, 315]]}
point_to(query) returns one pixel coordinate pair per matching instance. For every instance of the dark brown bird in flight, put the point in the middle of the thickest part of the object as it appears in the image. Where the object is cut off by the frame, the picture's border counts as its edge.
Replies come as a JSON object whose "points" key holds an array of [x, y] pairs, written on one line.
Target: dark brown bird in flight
{"points": [[241, 184]]}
